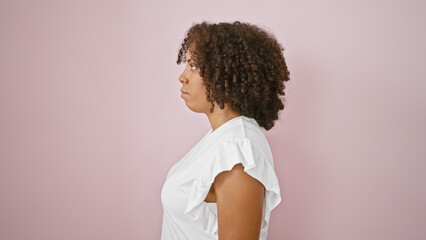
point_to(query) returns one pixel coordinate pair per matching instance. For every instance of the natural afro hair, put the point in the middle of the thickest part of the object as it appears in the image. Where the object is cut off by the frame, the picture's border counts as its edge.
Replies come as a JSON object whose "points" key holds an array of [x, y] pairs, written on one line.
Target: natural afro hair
{"points": [[240, 64]]}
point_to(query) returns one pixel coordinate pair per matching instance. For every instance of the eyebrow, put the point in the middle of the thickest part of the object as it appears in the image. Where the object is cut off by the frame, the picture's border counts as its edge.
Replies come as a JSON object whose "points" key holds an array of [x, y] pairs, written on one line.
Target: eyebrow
{"points": [[189, 60]]}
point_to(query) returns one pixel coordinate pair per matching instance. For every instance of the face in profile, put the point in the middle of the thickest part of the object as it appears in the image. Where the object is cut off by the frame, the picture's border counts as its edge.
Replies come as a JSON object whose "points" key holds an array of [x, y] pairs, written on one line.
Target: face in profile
{"points": [[192, 83]]}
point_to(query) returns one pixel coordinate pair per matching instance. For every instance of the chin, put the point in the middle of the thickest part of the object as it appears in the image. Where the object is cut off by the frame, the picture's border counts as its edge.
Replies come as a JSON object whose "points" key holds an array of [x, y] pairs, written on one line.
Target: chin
{"points": [[196, 109]]}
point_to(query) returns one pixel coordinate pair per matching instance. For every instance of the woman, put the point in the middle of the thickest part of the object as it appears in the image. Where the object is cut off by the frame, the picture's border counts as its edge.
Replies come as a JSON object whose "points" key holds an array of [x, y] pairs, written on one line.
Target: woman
{"points": [[225, 187]]}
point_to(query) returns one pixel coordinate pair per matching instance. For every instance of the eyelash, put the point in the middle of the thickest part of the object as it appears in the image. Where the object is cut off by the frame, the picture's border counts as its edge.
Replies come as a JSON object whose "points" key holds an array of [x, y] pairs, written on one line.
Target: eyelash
{"points": [[191, 66]]}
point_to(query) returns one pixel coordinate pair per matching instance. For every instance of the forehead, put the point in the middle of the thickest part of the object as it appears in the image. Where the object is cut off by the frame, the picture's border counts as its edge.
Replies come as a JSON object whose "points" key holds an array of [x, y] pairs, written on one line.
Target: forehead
{"points": [[188, 55]]}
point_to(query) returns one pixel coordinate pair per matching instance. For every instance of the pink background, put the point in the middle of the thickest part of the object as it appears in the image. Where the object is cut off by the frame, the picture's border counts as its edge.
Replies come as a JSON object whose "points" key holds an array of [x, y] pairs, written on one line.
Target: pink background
{"points": [[91, 117]]}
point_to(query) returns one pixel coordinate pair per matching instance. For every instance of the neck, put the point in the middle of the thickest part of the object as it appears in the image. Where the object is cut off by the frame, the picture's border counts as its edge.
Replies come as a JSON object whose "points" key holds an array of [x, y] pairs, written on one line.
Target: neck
{"points": [[220, 116]]}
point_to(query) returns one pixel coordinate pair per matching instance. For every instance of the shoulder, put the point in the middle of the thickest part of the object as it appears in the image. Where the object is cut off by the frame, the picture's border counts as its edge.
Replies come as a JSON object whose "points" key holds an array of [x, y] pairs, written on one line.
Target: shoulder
{"points": [[243, 127], [244, 135]]}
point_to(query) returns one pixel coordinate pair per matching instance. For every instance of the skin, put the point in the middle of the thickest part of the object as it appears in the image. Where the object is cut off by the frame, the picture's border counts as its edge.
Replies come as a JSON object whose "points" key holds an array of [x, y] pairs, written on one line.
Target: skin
{"points": [[239, 196]]}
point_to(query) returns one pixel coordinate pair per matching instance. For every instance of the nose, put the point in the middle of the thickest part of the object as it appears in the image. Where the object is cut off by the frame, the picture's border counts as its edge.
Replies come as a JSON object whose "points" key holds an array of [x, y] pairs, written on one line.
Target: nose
{"points": [[182, 79]]}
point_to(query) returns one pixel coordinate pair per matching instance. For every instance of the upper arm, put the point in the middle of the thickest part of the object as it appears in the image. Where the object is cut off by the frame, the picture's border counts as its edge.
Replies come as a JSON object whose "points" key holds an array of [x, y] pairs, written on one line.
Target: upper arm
{"points": [[239, 199]]}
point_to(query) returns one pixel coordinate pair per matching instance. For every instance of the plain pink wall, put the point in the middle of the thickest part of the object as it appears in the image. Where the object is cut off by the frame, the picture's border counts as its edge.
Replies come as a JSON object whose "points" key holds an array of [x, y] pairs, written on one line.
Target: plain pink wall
{"points": [[91, 117]]}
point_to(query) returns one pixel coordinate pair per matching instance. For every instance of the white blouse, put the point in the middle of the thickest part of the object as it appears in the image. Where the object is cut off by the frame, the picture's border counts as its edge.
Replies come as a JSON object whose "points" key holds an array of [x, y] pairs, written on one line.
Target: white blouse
{"points": [[186, 216]]}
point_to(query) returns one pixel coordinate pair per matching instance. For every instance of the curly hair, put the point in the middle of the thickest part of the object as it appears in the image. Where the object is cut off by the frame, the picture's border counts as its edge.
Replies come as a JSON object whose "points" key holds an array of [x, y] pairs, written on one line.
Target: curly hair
{"points": [[240, 64]]}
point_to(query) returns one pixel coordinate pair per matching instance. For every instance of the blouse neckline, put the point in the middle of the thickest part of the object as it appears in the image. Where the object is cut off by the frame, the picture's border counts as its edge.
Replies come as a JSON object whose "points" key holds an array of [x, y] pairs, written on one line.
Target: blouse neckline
{"points": [[224, 124]]}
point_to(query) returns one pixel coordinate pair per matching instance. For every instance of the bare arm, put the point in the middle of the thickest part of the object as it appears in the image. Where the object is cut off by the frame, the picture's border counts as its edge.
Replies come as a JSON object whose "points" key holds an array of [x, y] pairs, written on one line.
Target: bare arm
{"points": [[239, 199]]}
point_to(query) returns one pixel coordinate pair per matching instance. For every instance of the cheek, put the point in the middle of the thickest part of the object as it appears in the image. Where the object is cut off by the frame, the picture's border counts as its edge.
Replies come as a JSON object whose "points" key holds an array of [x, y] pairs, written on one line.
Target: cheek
{"points": [[199, 87], [201, 92]]}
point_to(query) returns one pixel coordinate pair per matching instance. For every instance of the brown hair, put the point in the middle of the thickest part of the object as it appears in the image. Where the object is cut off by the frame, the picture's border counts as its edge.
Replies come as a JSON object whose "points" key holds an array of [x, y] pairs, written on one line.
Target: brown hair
{"points": [[240, 64]]}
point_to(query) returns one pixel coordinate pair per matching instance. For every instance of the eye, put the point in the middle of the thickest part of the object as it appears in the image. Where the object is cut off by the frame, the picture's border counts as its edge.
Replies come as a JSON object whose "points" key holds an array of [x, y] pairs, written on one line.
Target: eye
{"points": [[192, 66]]}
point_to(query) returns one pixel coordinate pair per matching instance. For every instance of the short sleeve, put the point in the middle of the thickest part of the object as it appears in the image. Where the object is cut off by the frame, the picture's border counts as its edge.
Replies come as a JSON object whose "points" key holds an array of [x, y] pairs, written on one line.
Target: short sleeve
{"points": [[229, 153]]}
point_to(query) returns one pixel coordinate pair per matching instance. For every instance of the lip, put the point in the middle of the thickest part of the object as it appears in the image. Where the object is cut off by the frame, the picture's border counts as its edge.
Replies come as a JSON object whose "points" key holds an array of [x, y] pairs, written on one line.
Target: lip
{"points": [[183, 94]]}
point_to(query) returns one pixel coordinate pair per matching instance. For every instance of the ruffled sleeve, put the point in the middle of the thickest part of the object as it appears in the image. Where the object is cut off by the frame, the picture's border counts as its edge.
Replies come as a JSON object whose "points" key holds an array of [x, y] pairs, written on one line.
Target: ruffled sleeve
{"points": [[229, 153]]}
